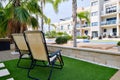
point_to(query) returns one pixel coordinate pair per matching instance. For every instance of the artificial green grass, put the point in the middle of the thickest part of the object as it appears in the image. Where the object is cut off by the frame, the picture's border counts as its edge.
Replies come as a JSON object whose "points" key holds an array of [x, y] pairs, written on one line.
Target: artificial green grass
{"points": [[72, 70]]}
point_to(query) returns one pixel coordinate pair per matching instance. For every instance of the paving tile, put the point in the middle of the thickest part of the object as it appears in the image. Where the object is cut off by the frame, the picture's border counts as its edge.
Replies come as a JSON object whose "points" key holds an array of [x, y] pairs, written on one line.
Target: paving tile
{"points": [[4, 72], [10, 79], [2, 65]]}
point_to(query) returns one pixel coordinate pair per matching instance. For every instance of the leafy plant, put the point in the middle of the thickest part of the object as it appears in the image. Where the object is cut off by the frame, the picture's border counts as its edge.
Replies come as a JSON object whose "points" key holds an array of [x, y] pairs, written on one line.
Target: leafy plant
{"points": [[60, 33], [68, 37], [118, 43], [51, 34], [82, 37], [61, 40]]}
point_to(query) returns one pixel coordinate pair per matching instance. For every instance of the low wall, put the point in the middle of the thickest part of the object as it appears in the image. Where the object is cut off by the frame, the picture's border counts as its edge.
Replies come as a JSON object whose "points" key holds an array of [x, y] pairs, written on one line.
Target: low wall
{"points": [[102, 57]]}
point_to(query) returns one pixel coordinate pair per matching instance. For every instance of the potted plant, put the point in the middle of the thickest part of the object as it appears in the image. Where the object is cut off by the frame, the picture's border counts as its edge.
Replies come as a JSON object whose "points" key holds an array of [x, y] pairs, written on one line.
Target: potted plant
{"points": [[118, 44]]}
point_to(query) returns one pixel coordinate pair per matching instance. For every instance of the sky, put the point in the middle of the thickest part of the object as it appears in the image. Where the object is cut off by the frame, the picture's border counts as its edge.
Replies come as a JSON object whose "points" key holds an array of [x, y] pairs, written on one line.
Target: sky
{"points": [[64, 10]]}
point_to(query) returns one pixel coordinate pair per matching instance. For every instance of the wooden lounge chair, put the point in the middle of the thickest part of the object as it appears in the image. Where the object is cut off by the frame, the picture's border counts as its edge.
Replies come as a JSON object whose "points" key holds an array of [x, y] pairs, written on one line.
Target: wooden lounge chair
{"points": [[37, 46], [21, 47]]}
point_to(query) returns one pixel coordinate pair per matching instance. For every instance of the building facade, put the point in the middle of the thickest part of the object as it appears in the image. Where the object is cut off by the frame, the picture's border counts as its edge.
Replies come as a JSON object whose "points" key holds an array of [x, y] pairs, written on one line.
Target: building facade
{"points": [[66, 25], [104, 19], [105, 15]]}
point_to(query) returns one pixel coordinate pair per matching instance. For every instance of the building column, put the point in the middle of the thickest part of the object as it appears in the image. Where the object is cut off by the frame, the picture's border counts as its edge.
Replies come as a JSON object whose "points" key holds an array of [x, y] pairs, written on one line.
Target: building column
{"points": [[118, 30], [118, 21]]}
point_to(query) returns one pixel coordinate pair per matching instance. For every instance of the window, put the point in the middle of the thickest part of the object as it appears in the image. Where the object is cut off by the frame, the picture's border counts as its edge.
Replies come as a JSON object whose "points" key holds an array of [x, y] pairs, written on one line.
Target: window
{"points": [[94, 33], [105, 30], [68, 27], [78, 33], [111, 9], [86, 32], [94, 23], [77, 25], [114, 30], [61, 27], [111, 20], [94, 3], [94, 13]]}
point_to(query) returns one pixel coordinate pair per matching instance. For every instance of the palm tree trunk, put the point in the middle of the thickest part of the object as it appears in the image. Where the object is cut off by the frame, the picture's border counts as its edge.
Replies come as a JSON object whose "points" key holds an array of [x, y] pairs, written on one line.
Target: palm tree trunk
{"points": [[74, 15], [19, 27], [42, 16], [49, 28]]}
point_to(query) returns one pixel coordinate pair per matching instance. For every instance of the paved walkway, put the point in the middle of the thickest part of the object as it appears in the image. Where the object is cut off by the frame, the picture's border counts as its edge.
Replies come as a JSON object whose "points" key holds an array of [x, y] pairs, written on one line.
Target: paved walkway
{"points": [[6, 55]]}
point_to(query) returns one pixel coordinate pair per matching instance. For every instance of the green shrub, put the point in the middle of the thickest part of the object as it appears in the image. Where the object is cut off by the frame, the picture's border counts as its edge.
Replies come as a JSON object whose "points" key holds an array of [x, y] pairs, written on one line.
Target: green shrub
{"points": [[82, 37], [61, 40], [118, 43], [68, 37], [51, 34], [59, 34]]}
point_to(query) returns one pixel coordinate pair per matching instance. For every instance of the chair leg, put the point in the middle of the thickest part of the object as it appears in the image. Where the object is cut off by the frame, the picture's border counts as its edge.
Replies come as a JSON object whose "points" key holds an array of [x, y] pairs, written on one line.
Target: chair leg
{"points": [[61, 63], [18, 63], [50, 74], [33, 62]]}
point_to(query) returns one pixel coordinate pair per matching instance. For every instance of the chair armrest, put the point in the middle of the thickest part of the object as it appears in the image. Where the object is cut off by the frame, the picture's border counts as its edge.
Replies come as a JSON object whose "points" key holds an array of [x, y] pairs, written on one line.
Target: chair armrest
{"points": [[55, 53]]}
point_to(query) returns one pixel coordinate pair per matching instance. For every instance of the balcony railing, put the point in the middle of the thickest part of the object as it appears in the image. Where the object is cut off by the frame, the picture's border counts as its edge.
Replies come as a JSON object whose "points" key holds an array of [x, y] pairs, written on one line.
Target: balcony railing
{"points": [[108, 22], [84, 25]]}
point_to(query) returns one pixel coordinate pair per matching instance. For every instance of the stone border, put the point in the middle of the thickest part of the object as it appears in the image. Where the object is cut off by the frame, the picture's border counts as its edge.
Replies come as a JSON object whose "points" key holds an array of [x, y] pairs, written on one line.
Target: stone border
{"points": [[104, 57]]}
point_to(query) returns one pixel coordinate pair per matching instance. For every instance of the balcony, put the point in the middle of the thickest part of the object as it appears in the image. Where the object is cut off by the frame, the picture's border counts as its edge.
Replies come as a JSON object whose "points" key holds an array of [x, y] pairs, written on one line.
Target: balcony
{"points": [[82, 26], [108, 22], [85, 25]]}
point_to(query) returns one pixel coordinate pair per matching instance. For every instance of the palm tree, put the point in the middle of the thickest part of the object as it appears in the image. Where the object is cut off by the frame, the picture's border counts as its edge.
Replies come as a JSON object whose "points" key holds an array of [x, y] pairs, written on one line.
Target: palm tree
{"points": [[17, 15], [54, 3], [83, 15], [74, 16], [49, 24]]}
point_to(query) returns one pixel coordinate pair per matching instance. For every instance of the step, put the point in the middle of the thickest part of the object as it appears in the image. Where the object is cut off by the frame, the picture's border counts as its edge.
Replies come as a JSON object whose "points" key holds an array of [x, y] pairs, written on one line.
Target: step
{"points": [[116, 76], [2, 65], [4, 72], [10, 79]]}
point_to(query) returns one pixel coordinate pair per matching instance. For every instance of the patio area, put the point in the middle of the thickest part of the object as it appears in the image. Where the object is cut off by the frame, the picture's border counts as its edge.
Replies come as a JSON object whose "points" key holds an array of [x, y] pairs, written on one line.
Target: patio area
{"points": [[79, 70]]}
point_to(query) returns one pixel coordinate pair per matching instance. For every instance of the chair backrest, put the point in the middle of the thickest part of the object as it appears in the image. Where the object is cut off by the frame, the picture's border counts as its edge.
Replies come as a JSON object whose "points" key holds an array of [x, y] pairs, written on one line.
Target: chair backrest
{"points": [[37, 45], [20, 41]]}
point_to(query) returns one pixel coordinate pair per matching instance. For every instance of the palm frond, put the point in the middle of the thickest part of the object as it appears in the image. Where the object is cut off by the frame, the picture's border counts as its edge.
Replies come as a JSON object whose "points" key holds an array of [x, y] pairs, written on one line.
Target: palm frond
{"points": [[9, 12], [84, 15], [3, 26], [53, 25], [1, 6], [34, 22], [33, 7], [22, 14]]}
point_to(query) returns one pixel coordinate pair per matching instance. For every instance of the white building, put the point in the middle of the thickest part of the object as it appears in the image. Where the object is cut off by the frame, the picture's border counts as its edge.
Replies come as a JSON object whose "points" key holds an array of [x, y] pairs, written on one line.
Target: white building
{"points": [[66, 25], [105, 15], [104, 19]]}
